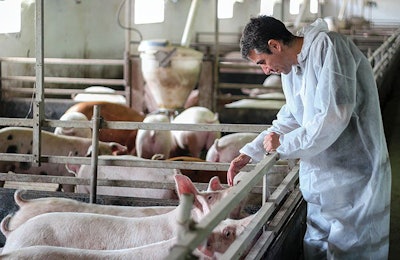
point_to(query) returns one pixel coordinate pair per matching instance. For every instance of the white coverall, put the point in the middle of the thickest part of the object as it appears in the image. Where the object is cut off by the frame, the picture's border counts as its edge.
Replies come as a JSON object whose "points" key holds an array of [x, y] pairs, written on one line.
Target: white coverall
{"points": [[332, 122]]}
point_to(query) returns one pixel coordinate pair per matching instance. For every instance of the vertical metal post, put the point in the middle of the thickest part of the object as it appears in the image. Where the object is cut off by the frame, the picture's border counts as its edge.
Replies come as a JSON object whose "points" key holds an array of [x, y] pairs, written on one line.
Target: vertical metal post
{"points": [[265, 189], [95, 152], [216, 57], [38, 107], [183, 218], [1, 85], [127, 62]]}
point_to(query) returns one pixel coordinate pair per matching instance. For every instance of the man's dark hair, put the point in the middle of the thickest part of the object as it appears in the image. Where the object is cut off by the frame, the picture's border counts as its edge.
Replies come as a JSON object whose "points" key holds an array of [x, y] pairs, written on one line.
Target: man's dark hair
{"points": [[259, 31]]}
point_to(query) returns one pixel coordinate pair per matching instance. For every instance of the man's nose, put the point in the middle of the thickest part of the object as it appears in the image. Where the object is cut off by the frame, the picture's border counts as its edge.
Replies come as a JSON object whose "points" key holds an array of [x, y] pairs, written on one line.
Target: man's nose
{"points": [[265, 69]]}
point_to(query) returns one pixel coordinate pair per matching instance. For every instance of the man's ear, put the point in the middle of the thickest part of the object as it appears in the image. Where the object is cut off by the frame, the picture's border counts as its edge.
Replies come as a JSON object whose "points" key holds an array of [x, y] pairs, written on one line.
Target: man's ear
{"points": [[274, 46]]}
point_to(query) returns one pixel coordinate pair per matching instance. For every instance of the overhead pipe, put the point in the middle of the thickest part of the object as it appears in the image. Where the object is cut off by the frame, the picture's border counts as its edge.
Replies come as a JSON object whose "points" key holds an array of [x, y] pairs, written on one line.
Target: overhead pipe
{"points": [[342, 10], [303, 8], [185, 42]]}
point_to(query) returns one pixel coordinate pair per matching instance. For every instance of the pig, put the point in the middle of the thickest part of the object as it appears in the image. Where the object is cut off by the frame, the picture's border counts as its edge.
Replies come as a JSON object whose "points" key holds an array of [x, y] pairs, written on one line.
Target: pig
{"points": [[112, 112], [99, 93], [103, 231], [226, 148], [239, 211], [129, 173], [193, 99], [194, 142], [151, 142], [30, 208], [271, 84], [267, 101], [220, 239], [156, 250], [224, 234], [19, 140], [71, 131]]}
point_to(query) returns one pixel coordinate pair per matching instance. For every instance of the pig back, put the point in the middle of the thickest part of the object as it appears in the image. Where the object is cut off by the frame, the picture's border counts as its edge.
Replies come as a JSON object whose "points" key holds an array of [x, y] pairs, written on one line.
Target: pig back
{"points": [[112, 112], [227, 148]]}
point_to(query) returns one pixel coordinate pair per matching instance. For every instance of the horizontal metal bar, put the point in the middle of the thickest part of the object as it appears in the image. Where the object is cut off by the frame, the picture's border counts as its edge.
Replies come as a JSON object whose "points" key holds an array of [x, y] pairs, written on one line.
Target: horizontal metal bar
{"points": [[86, 181], [170, 126], [286, 186], [63, 61], [237, 65], [65, 80], [240, 97], [57, 91], [240, 245], [250, 86], [265, 240], [120, 161], [192, 239], [6, 121]]}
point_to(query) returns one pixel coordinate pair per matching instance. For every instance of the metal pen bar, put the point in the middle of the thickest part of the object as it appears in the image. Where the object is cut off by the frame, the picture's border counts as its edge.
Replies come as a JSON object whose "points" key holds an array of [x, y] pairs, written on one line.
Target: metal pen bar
{"points": [[64, 61], [69, 80], [168, 126], [95, 153], [38, 108], [211, 220]]}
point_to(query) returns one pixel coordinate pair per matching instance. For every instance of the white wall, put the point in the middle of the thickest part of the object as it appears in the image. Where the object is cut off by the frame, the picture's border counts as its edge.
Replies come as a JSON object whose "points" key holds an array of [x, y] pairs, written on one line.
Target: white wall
{"points": [[88, 29]]}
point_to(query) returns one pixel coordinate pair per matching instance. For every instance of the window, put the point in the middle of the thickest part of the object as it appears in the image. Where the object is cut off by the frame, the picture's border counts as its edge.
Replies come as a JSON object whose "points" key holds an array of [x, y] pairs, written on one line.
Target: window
{"points": [[10, 16], [225, 8], [313, 6], [145, 14], [294, 6], [267, 7]]}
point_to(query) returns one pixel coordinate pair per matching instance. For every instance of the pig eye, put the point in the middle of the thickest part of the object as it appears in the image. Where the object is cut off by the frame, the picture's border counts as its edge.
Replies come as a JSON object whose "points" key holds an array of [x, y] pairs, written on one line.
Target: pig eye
{"points": [[210, 197], [229, 233]]}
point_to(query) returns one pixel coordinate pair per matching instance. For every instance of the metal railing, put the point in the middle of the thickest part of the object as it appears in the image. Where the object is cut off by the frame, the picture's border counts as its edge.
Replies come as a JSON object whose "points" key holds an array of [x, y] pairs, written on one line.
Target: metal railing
{"points": [[68, 91], [383, 56]]}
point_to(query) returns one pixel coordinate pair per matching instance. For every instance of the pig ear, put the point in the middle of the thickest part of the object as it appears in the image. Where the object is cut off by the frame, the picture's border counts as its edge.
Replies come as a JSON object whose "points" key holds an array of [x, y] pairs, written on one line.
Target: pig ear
{"points": [[118, 149], [214, 184], [153, 135], [184, 185]]}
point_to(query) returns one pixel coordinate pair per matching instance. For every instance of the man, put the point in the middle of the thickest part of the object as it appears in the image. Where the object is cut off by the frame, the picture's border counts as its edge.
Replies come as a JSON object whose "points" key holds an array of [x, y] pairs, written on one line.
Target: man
{"points": [[332, 123]]}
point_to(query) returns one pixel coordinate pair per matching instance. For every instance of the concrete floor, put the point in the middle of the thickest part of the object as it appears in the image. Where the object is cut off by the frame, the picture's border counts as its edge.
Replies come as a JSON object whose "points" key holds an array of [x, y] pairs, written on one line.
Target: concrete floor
{"points": [[391, 116]]}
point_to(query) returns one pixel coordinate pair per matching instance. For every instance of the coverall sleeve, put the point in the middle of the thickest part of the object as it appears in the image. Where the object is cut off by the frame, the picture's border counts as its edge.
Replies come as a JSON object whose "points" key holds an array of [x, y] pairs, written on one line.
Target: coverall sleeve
{"points": [[328, 105], [285, 123]]}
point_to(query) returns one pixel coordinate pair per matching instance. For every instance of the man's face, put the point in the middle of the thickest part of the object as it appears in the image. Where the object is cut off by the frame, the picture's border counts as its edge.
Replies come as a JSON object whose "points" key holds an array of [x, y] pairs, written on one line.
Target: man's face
{"points": [[275, 63]]}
